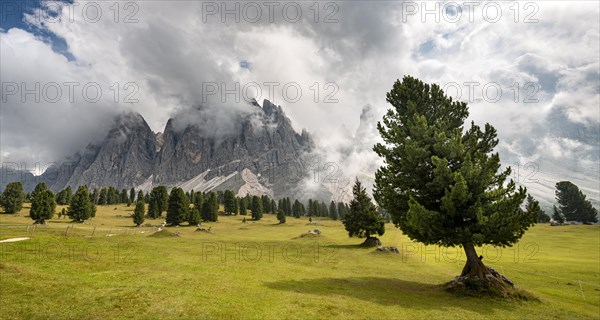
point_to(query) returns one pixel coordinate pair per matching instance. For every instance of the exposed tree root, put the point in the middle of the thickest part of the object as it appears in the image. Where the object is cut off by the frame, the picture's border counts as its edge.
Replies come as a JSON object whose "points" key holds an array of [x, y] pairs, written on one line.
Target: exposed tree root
{"points": [[477, 279], [371, 242]]}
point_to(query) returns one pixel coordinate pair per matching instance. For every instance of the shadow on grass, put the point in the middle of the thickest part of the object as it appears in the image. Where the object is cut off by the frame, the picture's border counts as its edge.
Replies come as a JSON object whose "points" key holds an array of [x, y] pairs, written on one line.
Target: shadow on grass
{"points": [[61, 221], [387, 291], [348, 246]]}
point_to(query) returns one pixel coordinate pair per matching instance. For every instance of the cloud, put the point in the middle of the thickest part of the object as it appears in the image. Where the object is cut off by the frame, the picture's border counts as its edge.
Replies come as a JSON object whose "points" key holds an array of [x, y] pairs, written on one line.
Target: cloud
{"points": [[43, 130], [342, 58]]}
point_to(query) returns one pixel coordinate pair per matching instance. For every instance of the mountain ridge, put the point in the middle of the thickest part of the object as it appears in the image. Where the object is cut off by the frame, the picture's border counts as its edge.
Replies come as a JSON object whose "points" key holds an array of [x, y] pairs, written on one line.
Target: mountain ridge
{"points": [[187, 154]]}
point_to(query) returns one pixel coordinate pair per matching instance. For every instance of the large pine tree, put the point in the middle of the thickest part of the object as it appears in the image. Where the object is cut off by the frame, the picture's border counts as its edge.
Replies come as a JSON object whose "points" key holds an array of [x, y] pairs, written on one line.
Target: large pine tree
{"points": [[557, 216], [229, 202], [363, 220], [43, 204], [266, 203], [534, 206], [213, 202], [153, 208], [243, 206], [178, 206], [210, 207], [333, 214], [132, 195], [342, 210], [194, 218], [141, 196], [81, 208], [281, 216], [297, 209], [13, 197], [160, 196], [138, 213], [124, 197], [198, 201], [441, 183], [573, 204], [95, 195], [256, 208]]}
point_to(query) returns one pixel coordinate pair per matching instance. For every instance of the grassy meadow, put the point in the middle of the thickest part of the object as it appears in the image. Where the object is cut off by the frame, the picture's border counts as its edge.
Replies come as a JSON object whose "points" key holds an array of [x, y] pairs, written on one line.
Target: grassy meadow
{"points": [[107, 268]]}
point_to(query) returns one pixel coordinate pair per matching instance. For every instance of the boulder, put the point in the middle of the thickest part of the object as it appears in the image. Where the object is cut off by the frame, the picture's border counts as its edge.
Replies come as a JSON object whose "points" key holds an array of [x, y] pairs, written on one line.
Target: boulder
{"points": [[388, 249], [311, 233], [199, 228]]}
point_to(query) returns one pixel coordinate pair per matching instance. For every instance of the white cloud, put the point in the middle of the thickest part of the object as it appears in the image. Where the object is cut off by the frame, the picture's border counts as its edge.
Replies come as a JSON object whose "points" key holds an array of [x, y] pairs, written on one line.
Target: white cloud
{"points": [[170, 53]]}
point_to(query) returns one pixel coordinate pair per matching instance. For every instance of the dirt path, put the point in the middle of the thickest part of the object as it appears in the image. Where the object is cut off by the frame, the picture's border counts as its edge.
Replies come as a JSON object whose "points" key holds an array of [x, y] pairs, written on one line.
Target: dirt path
{"points": [[14, 240]]}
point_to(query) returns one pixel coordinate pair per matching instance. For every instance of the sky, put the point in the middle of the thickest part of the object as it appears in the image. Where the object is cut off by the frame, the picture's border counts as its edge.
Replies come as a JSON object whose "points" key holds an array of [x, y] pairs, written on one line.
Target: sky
{"points": [[531, 69]]}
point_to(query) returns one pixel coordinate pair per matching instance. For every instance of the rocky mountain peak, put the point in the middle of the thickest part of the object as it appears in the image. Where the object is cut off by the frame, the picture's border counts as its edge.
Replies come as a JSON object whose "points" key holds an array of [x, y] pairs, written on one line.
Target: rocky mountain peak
{"points": [[200, 149], [125, 157], [251, 151], [263, 136], [269, 108]]}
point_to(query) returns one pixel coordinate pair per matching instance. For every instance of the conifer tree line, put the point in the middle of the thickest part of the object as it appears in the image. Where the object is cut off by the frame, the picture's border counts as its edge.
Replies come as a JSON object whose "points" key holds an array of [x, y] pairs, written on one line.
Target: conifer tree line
{"points": [[176, 207], [158, 202], [572, 204]]}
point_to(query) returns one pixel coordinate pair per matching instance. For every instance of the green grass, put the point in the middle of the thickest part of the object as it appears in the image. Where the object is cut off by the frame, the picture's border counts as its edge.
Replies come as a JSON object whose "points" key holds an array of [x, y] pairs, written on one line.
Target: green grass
{"points": [[136, 275]]}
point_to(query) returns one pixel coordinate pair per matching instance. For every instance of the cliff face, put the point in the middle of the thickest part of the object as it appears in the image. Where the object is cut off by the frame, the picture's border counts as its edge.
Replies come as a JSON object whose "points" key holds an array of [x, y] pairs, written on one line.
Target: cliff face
{"points": [[263, 142], [124, 158], [253, 157]]}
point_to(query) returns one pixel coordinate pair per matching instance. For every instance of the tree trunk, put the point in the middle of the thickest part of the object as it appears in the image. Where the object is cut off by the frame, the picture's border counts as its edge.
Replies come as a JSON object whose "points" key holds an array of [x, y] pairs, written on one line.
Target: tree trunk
{"points": [[474, 266], [371, 242], [477, 277]]}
